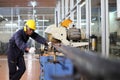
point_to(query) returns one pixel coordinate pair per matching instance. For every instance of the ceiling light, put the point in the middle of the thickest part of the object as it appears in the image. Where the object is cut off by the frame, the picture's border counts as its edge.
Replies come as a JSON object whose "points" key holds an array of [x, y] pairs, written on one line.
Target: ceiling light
{"points": [[6, 19], [1, 16], [33, 3]]}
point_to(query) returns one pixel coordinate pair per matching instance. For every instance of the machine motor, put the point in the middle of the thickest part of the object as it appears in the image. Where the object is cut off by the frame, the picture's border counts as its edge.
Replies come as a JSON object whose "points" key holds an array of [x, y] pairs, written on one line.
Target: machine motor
{"points": [[73, 34]]}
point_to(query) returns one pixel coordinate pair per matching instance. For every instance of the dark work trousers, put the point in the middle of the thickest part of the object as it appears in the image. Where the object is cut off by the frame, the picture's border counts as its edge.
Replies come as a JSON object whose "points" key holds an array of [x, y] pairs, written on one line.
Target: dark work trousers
{"points": [[16, 68], [16, 62]]}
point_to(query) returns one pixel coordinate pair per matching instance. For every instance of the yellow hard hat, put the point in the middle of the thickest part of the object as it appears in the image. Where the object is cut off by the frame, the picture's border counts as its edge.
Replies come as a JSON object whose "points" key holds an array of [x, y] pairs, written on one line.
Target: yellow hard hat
{"points": [[31, 24]]}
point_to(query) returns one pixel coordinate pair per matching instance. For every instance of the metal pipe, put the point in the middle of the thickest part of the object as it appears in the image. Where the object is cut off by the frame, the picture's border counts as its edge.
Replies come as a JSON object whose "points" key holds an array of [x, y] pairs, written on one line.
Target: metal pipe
{"points": [[90, 64]]}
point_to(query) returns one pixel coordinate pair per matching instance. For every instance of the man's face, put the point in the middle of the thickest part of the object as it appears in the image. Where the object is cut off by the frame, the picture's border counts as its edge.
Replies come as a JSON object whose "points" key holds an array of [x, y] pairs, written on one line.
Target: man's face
{"points": [[29, 31]]}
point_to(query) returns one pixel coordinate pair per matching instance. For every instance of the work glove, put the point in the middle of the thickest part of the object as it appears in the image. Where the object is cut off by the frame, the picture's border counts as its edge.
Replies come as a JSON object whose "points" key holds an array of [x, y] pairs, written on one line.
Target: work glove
{"points": [[49, 43], [46, 48], [32, 50]]}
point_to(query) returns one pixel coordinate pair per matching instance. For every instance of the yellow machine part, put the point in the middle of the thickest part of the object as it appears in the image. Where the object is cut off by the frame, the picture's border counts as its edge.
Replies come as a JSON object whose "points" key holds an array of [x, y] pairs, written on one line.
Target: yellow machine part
{"points": [[66, 23]]}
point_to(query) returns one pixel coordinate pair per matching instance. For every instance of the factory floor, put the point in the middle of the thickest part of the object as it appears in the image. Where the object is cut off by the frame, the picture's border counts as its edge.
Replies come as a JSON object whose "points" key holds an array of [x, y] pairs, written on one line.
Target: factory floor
{"points": [[32, 67]]}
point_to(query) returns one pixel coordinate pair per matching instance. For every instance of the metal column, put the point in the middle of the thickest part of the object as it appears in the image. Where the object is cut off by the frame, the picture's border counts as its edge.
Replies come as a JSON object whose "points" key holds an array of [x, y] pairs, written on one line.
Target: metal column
{"points": [[118, 9], [43, 25], [57, 14], [88, 19], [71, 6], [78, 16], [66, 7], [105, 27], [63, 9], [11, 21]]}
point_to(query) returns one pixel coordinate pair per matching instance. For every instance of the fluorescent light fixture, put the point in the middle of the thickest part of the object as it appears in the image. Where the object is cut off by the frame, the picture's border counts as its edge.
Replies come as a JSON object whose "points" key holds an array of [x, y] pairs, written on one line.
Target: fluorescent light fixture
{"points": [[83, 4], [13, 25], [43, 20], [33, 3], [6, 19], [1, 16], [85, 24]]}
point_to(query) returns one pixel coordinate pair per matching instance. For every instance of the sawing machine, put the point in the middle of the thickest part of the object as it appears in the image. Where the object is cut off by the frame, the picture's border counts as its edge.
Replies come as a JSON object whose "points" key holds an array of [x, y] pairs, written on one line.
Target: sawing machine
{"points": [[68, 36], [54, 64]]}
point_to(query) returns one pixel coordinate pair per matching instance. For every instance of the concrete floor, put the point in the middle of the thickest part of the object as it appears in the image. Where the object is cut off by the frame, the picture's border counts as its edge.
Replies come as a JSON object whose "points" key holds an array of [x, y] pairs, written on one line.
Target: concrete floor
{"points": [[32, 67]]}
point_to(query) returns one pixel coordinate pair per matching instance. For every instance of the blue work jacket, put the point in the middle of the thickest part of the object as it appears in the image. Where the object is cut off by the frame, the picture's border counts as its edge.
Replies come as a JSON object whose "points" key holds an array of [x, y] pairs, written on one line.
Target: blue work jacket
{"points": [[18, 43]]}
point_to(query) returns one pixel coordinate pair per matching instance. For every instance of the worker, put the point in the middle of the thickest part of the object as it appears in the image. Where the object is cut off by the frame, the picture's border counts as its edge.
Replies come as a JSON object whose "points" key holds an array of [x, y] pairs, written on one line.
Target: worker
{"points": [[17, 47]]}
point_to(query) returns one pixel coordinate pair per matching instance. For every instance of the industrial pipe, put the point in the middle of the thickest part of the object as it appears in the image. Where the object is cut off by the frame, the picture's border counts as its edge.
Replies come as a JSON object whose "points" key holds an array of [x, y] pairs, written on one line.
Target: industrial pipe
{"points": [[91, 64]]}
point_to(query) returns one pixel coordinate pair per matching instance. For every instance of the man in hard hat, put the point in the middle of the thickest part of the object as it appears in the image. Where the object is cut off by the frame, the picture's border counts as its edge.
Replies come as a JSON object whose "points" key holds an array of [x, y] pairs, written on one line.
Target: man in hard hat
{"points": [[17, 47]]}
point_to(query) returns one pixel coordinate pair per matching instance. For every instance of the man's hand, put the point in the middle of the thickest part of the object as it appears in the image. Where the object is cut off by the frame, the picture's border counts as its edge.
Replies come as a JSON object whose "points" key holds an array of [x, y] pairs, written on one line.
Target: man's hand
{"points": [[48, 45], [32, 50], [46, 48]]}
